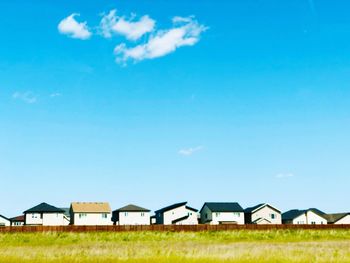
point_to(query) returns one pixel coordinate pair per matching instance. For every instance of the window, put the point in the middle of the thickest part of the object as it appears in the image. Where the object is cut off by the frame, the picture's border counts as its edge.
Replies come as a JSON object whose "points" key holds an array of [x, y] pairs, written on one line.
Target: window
{"points": [[217, 214], [81, 215], [206, 216], [104, 215], [236, 214], [273, 216], [142, 214], [126, 213], [313, 223]]}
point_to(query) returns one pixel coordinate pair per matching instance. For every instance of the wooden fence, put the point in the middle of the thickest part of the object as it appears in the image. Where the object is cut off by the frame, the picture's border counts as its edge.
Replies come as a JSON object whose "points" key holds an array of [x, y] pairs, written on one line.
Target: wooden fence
{"points": [[168, 228]]}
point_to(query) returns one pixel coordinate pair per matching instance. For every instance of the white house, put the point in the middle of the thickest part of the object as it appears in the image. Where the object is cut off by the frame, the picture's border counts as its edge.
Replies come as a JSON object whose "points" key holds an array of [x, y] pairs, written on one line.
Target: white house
{"points": [[177, 214], [216, 213], [131, 215], [262, 214], [90, 214], [338, 219], [311, 216], [17, 221], [44, 215], [4, 221]]}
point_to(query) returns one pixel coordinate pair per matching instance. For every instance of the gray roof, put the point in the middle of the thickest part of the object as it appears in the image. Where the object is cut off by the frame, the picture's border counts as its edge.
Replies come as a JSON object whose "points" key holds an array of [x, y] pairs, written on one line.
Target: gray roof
{"points": [[333, 218], [292, 214], [223, 207], [170, 207], [253, 208], [132, 208], [44, 208]]}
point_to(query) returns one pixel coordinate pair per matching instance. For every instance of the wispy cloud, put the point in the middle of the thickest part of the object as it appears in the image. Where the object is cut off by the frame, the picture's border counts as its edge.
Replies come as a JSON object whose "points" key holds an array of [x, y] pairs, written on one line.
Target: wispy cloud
{"points": [[190, 151], [284, 175], [130, 28], [55, 94], [27, 97], [71, 27], [186, 31]]}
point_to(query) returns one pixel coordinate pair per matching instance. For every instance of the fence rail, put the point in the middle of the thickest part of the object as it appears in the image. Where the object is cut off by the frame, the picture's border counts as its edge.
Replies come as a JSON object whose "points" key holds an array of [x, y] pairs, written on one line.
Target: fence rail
{"points": [[168, 228]]}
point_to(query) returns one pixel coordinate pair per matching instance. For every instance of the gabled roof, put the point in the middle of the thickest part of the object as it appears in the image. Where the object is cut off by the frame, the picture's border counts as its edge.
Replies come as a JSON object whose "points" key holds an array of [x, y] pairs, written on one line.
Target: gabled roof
{"points": [[17, 219], [170, 207], [132, 208], [192, 209], [333, 218], [292, 214], [223, 207], [253, 209], [261, 219], [44, 208], [90, 207]]}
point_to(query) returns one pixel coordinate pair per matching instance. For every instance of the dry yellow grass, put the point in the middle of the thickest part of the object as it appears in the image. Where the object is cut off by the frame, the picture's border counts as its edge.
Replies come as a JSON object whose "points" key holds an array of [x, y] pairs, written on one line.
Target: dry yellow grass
{"points": [[235, 246]]}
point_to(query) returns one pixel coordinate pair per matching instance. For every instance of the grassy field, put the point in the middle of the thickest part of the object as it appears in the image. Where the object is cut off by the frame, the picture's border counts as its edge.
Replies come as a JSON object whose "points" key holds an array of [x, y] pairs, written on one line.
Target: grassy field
{"points": [[235, 246]]}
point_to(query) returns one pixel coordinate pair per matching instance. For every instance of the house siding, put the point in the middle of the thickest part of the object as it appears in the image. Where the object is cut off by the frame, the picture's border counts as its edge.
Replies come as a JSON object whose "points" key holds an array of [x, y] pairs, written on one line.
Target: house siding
{"points": [[91, 219], [344, 221], [169, 216], [44, 219], [266, 213], [216, 218], [4, 222], [134, 218]]}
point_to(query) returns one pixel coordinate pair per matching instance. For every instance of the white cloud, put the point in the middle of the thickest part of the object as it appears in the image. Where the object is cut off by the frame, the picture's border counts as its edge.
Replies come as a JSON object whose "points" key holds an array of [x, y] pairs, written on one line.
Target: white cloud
{"points": [[190, 151], [56, 94], [27, 97], [74, 29], [186, 32], [131, 29], [284, 175]]}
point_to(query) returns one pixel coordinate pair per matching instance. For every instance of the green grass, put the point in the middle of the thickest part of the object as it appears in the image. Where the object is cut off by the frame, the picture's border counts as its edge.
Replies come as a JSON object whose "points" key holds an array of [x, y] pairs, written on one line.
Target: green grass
{"points": [[233, 246]]}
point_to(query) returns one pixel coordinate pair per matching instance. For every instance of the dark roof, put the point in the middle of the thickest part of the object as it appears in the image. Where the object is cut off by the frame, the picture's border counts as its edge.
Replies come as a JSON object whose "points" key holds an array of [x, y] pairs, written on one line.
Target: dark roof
{"points": [[18, 218], [332, 218], [291, 214], [192, 209], [132, 208], [179, 219], [170, 207], [44, 208], [253, 208], [223, 207]]}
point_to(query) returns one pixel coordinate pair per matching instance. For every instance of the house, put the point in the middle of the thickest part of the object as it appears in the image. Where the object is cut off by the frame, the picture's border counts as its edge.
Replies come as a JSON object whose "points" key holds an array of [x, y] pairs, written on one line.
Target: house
{"points": [[216, 213], [44, 215], [311, 216], [177, 214], [17, 221], [90, 214], [338, 219], [262, 214], [4, 221], [131, 215]]}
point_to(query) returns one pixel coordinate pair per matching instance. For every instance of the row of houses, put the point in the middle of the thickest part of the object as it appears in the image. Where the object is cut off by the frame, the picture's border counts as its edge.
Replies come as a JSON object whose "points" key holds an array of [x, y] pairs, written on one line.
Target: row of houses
{"points": [[100, 213]]}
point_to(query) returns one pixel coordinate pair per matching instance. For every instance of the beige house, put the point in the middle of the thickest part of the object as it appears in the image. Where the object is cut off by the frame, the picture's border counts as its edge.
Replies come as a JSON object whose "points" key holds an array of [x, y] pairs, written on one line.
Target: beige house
{"points": [[90, 214], [4, 221], [262, 214], [131, 215], [177, 214], [338, 219], [311, 216], [44, 215], [215, 213]]}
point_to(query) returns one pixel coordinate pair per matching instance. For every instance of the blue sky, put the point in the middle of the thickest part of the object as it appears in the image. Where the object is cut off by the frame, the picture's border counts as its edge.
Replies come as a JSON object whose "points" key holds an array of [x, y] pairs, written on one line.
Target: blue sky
{"points": [[244, 101]]}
